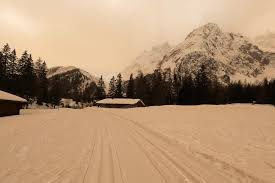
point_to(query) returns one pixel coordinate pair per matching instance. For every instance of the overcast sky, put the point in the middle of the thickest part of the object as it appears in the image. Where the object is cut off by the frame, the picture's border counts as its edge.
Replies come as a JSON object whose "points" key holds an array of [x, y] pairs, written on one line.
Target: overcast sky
{"points": [[104, 36]]}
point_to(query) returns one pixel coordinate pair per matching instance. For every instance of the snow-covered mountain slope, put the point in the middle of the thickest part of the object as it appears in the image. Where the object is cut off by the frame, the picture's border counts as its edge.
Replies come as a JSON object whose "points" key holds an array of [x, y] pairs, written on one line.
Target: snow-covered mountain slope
{"points": [[148, 61], [266, 41], [230, 56], [62, 70], [74, 78], [226, 54]]}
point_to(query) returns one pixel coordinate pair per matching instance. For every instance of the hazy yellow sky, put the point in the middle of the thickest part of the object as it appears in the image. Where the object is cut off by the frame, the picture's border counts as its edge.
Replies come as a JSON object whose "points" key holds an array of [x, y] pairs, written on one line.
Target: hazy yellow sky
{"points": [[104, 36]]}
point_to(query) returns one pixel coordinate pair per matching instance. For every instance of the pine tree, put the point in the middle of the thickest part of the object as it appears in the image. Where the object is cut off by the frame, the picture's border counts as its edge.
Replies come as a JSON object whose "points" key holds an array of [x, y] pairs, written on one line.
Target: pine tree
{"points": [[55, 93], [140, 86], [90, 92], [187, 90], [159, 91], [12, 65], [131, 88], [118, 87], [112, 88], [142, 89], [203, 82], [2, 72], [27, 76], [41, 81], [12, 69], [168, 85], [4, 60], [100, 92], [175, 87]]}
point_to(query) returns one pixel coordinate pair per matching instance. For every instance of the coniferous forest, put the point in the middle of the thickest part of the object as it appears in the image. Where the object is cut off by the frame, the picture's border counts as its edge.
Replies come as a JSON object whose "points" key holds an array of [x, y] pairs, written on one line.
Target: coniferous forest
{"points": [[23, 76], [167, 88]]}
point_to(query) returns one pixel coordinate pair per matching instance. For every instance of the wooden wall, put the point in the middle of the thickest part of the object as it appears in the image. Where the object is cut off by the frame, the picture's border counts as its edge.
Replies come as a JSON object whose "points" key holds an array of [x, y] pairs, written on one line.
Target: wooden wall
{"points": [[8, 108]]}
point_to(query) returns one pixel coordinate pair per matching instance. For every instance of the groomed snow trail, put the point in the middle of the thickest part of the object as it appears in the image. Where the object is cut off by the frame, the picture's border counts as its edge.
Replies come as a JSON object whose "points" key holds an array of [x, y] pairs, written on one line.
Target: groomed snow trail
{"points": [[104, 146]]}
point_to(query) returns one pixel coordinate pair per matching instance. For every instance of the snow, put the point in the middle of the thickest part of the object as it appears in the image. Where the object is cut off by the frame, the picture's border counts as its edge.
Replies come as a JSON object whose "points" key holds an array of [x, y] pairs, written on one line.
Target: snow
{"points": [[118, 101], [233, 54], [86, 80], [61, 70], [217, 144], [266, 41], [88, 75], [147, 62], [11, 97]]}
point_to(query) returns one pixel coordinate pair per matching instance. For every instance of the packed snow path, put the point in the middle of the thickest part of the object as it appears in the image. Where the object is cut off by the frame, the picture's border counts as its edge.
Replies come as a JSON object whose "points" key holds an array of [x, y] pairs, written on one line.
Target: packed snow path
{"points": [[170, 144]]}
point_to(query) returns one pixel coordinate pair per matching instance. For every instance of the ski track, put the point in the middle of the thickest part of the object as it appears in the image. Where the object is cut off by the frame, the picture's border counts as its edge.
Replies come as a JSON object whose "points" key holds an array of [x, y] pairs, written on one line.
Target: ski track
{"points": [[103, 146]]}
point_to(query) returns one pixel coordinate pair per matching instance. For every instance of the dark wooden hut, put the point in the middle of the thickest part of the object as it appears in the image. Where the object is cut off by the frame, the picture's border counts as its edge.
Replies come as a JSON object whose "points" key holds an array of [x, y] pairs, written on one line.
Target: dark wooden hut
{"points": [[10, 104]]}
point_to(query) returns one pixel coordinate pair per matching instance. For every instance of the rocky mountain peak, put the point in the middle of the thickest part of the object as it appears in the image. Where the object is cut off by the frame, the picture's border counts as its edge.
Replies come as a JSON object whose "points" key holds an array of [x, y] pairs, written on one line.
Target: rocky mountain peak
{"points": [[205, 31], [228, 55]]}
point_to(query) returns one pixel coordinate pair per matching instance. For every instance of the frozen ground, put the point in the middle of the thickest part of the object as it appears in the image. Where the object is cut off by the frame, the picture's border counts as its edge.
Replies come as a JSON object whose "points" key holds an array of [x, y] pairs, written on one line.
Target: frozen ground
{"points": [[194, 144]]}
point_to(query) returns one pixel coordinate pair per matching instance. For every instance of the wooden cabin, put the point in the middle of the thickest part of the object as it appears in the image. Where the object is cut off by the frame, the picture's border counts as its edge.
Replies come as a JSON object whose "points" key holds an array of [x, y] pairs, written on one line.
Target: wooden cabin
{"points": [[10, 104], [120, 103]]}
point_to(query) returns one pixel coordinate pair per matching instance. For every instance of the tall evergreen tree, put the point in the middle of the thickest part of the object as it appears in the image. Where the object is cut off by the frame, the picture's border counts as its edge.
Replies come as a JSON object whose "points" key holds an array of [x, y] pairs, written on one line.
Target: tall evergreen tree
{"points": [[175, 87], [203, 84], [2, 72], [12, 64], [131, 88], [158, 88], [4, 60], [100, 92], [112, 88], [90, 93], [41, 81], [187, 90], [168, 85], [55, 93], [27, 76], [142, 89], [118, 87]]}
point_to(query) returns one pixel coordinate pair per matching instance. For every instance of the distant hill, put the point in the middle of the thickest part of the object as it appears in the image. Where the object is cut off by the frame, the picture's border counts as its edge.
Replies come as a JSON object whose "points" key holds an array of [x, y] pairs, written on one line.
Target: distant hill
{"points": [[74, 82]]}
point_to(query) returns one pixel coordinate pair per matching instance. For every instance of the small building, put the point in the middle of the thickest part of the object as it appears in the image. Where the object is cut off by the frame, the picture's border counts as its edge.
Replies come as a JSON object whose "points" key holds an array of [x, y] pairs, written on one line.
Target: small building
{"points": [[120, 103], [70, 103], [10, 104]]}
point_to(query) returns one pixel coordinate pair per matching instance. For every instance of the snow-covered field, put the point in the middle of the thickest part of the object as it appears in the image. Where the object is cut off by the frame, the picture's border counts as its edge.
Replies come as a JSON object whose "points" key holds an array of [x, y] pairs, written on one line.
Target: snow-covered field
{"points": [[192, 144]]}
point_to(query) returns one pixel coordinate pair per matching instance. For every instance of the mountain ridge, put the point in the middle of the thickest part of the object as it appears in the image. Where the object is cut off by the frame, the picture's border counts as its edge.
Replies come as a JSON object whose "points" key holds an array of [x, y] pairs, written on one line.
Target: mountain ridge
{"points": [[231, 56], [76, 83]]}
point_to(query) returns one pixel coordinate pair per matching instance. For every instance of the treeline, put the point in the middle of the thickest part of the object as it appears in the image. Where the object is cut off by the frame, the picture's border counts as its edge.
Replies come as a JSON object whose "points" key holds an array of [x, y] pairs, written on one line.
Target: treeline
{"points": [[203, 87], [26, 78], [22, 76]]}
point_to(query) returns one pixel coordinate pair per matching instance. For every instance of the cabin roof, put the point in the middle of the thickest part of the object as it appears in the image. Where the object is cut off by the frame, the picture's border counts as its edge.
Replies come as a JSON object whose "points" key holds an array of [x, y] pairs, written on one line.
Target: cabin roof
{"points": [[123, 101], [10, 97]]}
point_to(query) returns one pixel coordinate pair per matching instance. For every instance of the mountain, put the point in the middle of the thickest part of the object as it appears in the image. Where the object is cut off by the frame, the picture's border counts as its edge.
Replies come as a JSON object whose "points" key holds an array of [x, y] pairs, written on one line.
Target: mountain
{"points": [[60, 70], [76, 83], [266, 41], [148, 61], [230, 56]]}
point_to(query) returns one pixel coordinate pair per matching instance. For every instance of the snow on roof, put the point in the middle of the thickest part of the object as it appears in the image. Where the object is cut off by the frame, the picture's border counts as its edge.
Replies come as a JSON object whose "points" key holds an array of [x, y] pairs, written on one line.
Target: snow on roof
{"points": [[10, 97], [126, 101]]}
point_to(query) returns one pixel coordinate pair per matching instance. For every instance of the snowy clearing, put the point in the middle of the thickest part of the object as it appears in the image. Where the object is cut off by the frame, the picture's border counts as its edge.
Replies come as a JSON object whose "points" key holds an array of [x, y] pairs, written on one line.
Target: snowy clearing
{"points": [[192, 144]]}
